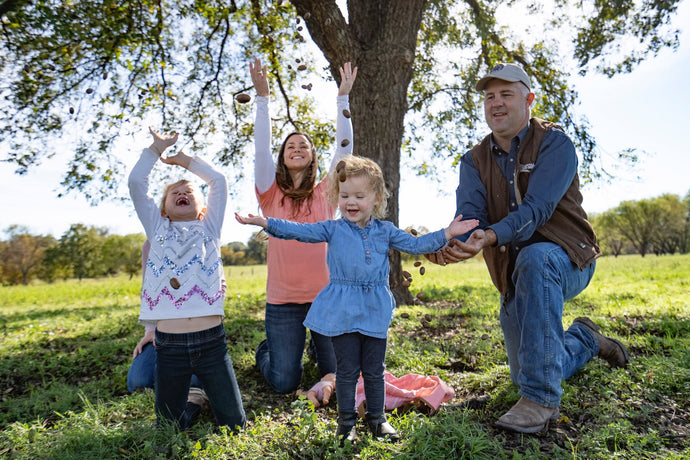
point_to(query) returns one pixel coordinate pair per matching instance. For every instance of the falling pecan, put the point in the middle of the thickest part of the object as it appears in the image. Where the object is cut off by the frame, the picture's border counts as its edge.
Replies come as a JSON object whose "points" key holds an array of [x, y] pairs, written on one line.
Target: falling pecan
{"points": [[243, 98], [340, 169]]}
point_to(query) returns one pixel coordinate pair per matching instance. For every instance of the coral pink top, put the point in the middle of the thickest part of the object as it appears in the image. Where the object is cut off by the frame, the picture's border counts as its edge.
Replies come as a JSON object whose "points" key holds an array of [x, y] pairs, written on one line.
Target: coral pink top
{"points": [[296, 271]]}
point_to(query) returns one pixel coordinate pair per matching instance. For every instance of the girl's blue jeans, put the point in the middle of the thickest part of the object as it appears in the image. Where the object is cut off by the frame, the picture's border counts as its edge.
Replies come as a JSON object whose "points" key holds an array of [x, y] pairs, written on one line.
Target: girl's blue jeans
{"points": [[540, 353], [142, 371], [204, 354], [360, 353], [279, 357]]}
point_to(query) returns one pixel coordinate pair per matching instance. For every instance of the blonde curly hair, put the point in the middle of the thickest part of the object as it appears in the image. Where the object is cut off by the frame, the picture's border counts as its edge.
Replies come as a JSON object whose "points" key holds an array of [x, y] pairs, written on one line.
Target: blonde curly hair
{"points": [[353, 165]]}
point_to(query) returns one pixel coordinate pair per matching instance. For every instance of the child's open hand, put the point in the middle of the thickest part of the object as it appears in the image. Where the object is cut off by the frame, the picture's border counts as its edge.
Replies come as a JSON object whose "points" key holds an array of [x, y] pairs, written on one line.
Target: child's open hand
{"points": [[458, 227], [180, 159], [252, 219], [162, 141]]}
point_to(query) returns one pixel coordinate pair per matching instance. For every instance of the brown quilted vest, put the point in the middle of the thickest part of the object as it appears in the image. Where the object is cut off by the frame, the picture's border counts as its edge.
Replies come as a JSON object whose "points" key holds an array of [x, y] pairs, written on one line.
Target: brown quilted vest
{"points": [[568, 225]]}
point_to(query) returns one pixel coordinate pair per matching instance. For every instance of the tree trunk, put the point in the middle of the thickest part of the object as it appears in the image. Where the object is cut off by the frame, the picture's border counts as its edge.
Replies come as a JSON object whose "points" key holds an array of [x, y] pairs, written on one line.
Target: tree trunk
{"points": [[380, 39]]}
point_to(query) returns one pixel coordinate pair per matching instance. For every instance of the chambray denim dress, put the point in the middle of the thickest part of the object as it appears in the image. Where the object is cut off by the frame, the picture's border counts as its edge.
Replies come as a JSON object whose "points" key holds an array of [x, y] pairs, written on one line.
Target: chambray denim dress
{"points": [[357, 297]]}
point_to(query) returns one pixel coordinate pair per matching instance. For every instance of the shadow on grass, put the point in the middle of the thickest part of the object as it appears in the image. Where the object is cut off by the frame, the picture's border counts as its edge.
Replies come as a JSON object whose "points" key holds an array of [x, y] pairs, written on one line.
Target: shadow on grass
{"points": [[34, 376]]}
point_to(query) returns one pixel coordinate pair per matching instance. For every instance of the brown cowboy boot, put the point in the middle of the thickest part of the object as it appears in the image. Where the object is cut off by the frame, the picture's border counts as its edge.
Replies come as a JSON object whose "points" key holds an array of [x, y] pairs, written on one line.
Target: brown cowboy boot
{"points": [[610, 350], [528, 417]]}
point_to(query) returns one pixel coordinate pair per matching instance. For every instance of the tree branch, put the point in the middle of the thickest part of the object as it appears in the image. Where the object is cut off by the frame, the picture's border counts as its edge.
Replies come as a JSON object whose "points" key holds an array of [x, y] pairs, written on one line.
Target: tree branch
{"points": [[11, 5]]}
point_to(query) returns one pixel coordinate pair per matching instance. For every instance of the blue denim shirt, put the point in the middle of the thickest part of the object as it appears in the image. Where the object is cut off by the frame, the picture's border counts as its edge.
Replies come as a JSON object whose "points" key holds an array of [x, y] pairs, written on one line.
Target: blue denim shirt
{"points": [[357, 297], [550, 178]]}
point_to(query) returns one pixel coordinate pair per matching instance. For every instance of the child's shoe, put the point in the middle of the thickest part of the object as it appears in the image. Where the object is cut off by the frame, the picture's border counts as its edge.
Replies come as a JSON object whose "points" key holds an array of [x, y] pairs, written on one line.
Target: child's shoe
{"points": [[381, 429], [346, 428]]}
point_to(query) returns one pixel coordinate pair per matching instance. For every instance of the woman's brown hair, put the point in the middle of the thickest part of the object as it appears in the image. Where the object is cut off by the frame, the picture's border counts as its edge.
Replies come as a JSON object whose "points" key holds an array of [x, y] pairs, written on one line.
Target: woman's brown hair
{"points": [[306, 189]]}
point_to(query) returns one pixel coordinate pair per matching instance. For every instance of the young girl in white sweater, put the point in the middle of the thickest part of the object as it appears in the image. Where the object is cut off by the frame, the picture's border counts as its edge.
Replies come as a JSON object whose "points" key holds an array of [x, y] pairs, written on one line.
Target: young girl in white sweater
{"points": [[184, 287]]}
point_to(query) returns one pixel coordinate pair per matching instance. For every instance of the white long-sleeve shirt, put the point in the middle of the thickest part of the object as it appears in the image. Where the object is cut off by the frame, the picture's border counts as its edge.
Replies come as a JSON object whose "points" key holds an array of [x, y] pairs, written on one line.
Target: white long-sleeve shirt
{"points": [[184, 271], [264, 166]]}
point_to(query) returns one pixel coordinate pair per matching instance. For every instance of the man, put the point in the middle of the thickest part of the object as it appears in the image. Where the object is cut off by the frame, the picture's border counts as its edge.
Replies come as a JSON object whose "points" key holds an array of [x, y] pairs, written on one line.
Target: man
{"points": [[521, 183]]}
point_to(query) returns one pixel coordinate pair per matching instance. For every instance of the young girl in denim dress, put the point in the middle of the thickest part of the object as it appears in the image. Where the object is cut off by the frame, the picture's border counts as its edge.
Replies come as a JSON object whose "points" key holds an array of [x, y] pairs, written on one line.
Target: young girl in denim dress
{"points": [[184, 287], [289, 188], [355, 309]]}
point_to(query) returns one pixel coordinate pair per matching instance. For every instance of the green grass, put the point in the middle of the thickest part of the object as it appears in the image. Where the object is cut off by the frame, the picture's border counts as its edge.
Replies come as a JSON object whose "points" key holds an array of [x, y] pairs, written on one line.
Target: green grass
{"points": [[66, 348]]}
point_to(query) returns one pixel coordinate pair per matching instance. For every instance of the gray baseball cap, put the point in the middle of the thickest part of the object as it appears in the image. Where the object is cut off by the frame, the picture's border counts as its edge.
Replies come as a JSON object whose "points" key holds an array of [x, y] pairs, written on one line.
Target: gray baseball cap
{"points": [[506, 72]]}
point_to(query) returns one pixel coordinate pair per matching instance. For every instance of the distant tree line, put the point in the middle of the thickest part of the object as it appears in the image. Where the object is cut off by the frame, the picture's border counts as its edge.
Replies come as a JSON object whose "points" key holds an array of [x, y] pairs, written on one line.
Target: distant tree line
{"points": [[91, 252], [658, 225]]}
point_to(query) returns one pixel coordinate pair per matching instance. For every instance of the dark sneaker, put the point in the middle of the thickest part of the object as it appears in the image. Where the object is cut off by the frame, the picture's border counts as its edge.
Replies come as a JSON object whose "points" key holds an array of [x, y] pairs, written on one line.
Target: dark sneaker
{"points": [[381, 429], [346, 432], [346, 428]]}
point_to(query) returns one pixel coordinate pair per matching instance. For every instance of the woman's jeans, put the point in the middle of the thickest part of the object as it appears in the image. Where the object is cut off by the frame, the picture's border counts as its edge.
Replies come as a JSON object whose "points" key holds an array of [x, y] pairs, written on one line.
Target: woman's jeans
{"points": [[204, 354], [360, 353], [540, 353], [279, 357], [142, 371]]}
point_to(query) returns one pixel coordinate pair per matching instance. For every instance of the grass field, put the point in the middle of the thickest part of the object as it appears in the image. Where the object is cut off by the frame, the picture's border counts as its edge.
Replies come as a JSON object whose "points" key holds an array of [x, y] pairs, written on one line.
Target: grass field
{"points": [[66, 348]]}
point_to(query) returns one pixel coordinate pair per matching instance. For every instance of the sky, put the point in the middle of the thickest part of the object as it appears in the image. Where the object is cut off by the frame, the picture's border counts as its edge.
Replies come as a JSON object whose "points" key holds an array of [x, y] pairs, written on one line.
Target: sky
{"points": [[646, 109]]}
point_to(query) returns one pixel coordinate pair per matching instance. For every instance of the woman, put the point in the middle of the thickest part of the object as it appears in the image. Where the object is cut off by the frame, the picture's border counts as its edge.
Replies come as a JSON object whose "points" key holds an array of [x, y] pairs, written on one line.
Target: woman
{"points": [[296, 271]]}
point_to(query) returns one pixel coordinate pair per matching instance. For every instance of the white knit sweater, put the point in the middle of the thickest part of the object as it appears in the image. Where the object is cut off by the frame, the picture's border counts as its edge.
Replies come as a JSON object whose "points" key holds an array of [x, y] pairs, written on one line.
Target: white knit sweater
{"points": [[184, 272]]}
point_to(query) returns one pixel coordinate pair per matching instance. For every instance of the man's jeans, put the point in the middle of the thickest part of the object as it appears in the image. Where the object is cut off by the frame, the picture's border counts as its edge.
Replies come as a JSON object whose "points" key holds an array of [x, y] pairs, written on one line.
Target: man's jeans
{"points": [[540, 353], [204, 354], [357, 352], [142, 371], [279, 357]]}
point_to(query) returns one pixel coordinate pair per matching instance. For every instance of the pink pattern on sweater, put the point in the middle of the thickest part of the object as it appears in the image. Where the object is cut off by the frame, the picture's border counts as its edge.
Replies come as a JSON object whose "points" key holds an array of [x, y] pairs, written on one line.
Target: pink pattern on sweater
{"points": [[181, 300]]}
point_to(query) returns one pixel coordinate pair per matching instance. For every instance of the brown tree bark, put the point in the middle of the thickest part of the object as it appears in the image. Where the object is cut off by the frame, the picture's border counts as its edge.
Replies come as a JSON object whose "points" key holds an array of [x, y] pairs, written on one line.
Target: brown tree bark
{"points": [[379, 38]]}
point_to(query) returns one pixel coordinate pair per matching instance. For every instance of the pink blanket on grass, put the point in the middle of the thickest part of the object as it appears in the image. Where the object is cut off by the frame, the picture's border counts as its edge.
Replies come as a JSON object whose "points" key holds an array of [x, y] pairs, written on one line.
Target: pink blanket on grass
{"points": [[410, 389]]}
